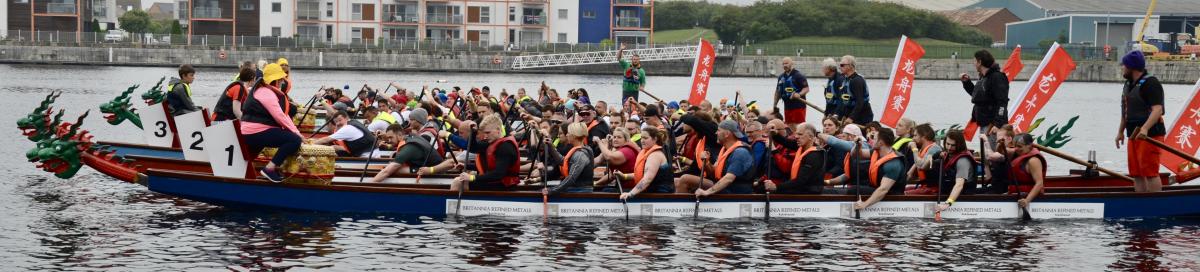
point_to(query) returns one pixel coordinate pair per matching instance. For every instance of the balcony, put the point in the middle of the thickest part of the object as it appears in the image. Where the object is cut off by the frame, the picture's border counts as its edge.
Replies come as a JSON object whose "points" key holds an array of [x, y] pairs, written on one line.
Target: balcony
{"points": [[401, 18], [60, 8], [206, 13], [308, 11], [434, 18], [630, 2], [629, 22], [533, 20]]}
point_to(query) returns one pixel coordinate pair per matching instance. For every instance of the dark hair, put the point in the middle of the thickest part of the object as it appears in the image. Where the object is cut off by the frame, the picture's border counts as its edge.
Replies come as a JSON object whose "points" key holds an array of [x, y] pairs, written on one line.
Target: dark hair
{"points": [[659, 136], [985, 58], [186, 69], [246, 74], [372, 109], [926, 131], [1023, 139], [340, 113], [395, 128], [432, 109], [886, 136], [960, 142]]}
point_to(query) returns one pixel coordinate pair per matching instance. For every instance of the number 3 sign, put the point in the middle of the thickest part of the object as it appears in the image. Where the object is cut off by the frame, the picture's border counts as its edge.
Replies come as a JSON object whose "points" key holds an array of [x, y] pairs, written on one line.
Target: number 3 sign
{"points": [[158, 131], [225, 151]]}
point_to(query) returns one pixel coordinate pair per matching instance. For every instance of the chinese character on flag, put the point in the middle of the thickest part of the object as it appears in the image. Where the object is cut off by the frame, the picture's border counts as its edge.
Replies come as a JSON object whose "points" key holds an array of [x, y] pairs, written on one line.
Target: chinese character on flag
{"points": [[701, 72], [1053, 70], [901, 81], [1183, 134]]}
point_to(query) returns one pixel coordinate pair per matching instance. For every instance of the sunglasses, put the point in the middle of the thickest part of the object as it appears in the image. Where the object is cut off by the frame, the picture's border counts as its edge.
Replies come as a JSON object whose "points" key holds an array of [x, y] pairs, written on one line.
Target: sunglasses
{"points": [[843, 65]]}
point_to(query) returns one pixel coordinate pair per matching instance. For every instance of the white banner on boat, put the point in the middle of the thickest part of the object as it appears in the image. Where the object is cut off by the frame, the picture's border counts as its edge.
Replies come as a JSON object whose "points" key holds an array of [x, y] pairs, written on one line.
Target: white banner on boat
{"points": [[1043, 210], [157, 131], [223, 147], [191, 138], [906, 209]]}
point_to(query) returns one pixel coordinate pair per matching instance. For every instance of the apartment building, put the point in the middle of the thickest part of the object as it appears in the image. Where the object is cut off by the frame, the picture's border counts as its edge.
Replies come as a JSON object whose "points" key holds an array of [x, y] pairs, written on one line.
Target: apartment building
{"points": [[622, 21]]}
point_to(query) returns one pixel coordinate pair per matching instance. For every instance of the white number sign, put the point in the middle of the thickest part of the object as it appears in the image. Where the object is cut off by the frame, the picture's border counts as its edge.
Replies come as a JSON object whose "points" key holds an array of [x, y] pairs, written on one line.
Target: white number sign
{"points": [[191, 139], [155, 129], [224, 150]]}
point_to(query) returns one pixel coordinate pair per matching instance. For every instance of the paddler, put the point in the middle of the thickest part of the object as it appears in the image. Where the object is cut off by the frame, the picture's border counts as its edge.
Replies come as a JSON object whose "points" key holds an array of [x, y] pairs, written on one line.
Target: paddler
{"points": [[380, 117], [596, 129], [836, 94], [265, 122], [651, 173], [285, 86], [733, 170], [577, 165], [350, 137], [497, 166], [923, 172], [699, 137], [904, 142], [792, 88], [229, 105], [418, 150], [989, 94], [996, 168], [805, 176], [886, 173], [1028, 170], [858, 107], [958, 169], [179, 95], [1141, 116]]}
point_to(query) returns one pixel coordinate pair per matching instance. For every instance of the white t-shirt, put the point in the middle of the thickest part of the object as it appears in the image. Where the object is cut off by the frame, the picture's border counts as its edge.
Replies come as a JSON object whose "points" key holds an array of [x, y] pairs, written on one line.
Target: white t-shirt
{"points": [[346, 133], [378, 125], [398, 116]]}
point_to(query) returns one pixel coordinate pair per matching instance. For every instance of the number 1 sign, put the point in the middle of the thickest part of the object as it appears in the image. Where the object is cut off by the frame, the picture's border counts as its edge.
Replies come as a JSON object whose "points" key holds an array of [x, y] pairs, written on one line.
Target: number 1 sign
{"points": [[156, 131], [225, 151]]}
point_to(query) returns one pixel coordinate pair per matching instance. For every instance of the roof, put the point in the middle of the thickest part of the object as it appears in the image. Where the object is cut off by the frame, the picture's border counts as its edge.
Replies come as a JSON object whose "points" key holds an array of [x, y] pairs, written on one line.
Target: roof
{"points": [[1163, 7], [932, 5], [162, 10], [972, 17]]}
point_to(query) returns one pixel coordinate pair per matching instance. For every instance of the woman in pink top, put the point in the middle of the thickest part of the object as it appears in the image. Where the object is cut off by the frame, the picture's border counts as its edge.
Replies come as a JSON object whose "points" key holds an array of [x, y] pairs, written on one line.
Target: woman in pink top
{"points": [[265, 122]]}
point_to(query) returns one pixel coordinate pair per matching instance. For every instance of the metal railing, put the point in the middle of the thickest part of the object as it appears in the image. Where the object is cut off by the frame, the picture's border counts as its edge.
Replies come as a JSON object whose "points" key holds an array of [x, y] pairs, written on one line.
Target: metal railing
{"points": [[401, 18], [530, 46], [62, 8], [436, 18], [206, 13], [533, 20], [308, 14], [629, 22]]}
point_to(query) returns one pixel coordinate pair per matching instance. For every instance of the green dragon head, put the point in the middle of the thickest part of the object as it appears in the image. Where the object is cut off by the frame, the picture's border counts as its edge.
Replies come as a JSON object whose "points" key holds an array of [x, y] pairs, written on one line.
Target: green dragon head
{"points": [[119, 109], [60, 153], [34, 125], [155, 95], [1056, 137]]}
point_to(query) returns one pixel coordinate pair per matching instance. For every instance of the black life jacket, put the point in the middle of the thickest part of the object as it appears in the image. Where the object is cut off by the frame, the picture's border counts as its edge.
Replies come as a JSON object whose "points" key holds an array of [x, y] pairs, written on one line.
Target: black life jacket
{"points": [[223, 111], [362, 144], [1136, 111], [950, 171], [255, 112]]}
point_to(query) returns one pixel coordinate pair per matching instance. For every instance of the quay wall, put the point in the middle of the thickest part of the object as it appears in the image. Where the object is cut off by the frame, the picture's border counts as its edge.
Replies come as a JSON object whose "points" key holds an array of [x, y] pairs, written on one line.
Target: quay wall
{"points": [[1179, 72]]}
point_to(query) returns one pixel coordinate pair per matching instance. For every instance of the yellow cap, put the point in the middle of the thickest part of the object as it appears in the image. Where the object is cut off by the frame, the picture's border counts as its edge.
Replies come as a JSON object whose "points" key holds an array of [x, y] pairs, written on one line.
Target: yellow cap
{"points": [[282, 61], [272, 73]]}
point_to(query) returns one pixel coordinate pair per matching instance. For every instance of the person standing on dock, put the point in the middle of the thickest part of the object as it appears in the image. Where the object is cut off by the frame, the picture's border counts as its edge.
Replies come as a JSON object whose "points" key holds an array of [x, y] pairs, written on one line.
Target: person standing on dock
{"points": [[1141, 116], [179, 95], [858, 106], [989, 94], [792, 88], [635, 76]]}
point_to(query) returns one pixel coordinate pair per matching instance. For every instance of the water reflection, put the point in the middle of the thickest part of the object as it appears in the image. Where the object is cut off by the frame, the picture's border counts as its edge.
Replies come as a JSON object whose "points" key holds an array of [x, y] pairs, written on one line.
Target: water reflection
{"points": [[493, 241]]}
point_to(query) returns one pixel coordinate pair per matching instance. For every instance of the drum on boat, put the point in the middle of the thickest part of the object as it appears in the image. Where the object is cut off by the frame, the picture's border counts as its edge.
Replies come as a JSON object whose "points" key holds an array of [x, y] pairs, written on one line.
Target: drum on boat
{"points": [[312, 164]]}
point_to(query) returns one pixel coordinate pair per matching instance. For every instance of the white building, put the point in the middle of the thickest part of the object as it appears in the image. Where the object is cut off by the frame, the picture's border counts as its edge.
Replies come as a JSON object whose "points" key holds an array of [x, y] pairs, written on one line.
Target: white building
{"points": [[486, 22]]}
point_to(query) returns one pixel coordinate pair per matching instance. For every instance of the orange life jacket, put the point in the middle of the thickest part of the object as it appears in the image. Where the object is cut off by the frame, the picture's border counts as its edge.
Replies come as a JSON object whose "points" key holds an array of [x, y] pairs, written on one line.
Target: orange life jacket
{"points": [[725, 151], [877, 165], [639, 168], [796, 161], [924, 151], [565, 168], [513, 179]]}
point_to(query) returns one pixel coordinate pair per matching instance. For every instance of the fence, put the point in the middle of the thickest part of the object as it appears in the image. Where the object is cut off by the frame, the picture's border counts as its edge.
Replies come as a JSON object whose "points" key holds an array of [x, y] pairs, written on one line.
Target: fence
{"points": [[413, 45]]}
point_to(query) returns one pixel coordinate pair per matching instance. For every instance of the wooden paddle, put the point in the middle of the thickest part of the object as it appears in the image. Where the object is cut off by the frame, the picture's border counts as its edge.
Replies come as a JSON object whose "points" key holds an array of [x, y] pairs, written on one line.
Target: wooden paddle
{"points": [[1177, 152], [1073, 159], [374, 146], [608, 168], [814, 106], [857, 184], [458, 203]]}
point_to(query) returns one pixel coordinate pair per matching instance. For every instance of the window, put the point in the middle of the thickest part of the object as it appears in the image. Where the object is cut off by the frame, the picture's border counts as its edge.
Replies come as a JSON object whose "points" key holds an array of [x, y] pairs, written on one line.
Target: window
{"points": [[308, 32], [276, 7], [562, 37], [355, 35], [512, 14], [22, 2], [276, 32], [329, 9], [485, 15], [183, 10], [356, 12], [589, 15], [328, 33], [562, 14]]}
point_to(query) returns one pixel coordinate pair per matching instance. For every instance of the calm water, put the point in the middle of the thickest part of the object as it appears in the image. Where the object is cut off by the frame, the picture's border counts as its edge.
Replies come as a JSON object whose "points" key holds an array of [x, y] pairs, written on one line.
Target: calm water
{"points": [[93, 222]]}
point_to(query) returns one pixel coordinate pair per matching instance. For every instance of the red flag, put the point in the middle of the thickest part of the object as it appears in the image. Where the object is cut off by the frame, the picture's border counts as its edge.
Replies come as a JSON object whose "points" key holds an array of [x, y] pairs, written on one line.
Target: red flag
{"points": [[702, 71], [1051, 73], [904, 69], [1183, 135], [1011, 68]]}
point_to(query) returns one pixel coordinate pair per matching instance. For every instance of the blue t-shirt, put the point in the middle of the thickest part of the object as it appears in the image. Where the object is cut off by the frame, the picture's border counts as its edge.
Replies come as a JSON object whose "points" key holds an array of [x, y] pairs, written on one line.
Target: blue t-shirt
{"points": [[739, 162]]}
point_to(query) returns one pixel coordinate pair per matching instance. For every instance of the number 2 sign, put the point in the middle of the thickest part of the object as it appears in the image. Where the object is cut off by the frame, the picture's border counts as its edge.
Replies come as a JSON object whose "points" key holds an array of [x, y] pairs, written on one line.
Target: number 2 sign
{"points": [[225, 151], [191, 138], [157, 131]]}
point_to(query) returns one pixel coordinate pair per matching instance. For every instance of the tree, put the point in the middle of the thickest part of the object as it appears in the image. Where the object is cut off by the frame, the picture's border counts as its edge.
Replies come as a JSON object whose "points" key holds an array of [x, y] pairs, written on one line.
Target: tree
{"points": [[135, 21], [96, 26], [176, 29]]}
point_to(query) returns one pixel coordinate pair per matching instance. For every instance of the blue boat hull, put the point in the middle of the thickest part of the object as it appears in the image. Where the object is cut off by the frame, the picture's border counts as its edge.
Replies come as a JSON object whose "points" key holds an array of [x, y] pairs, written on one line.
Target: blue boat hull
{"points": [[439, 202]]}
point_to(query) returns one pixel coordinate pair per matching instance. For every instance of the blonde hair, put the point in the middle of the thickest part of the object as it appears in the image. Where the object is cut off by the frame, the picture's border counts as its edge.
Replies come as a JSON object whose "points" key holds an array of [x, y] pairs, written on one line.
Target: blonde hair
{"points": [[908, 123], [492, 121], [850, 60], [624, 133], [829, 63], [577, 130]]}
